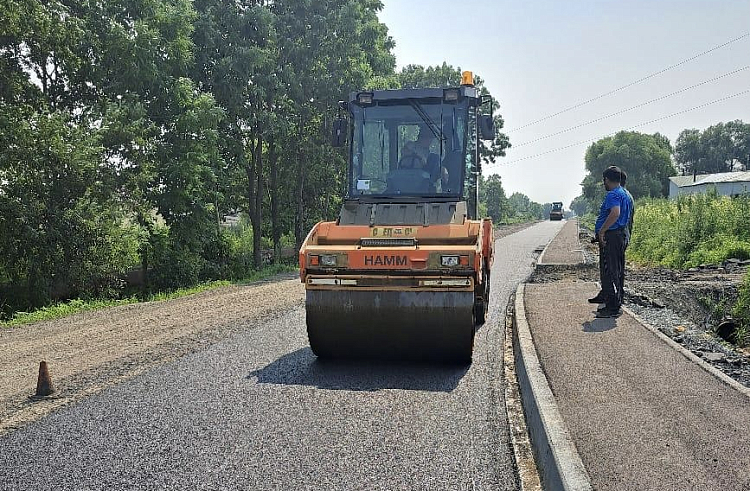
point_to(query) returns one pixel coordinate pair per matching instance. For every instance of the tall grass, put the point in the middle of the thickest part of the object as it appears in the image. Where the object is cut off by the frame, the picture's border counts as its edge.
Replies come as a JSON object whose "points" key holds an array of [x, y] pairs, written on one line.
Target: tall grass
{"points": [[693, 230]]}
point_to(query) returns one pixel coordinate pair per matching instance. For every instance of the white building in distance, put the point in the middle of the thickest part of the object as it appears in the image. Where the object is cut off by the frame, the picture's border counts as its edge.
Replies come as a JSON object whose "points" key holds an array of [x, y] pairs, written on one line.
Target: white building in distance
{"points": [[725, 183]]}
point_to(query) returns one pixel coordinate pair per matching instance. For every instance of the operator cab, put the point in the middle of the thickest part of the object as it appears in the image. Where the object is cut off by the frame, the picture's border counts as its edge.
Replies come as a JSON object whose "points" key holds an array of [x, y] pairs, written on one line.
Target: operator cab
{"points": [[415, 145]]}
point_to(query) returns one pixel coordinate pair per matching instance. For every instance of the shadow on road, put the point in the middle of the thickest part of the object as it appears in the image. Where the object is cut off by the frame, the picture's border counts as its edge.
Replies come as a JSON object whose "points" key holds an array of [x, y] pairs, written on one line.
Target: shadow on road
{"points": [[302, 367], [600, 325]]}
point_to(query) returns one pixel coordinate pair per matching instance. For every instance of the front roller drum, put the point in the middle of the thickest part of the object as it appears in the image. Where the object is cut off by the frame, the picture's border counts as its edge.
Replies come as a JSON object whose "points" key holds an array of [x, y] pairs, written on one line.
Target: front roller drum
{"points": [[421, 325]]}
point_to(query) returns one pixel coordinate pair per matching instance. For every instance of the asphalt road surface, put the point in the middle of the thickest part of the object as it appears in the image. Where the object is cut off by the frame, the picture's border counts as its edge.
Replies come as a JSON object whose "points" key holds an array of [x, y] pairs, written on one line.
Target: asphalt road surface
{"points": [[258, 411]]}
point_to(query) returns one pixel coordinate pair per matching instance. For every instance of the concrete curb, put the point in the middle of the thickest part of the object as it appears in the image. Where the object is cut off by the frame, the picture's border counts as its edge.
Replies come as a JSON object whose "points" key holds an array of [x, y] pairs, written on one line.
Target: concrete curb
{"points": [[559, 464], [723, 377]]}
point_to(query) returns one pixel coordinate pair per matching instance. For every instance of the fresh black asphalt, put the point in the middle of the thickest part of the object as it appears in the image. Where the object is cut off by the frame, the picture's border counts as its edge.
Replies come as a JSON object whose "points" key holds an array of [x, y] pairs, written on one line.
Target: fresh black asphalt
{"points": [[259, 411]]}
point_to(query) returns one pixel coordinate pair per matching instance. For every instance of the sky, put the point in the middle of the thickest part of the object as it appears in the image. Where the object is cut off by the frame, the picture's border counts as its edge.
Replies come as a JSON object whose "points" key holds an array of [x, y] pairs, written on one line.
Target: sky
{"points": [[539, 57]]}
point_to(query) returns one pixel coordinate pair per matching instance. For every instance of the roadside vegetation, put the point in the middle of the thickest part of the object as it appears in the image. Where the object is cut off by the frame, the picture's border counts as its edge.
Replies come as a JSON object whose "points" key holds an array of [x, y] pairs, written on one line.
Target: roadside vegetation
{"points": [[518, 208], [690, 231], [129, 132], [70, 307]]}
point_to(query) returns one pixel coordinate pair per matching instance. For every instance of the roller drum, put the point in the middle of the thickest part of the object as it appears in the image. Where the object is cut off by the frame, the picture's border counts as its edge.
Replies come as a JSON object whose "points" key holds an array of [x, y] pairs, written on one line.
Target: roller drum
{"points": [[422, 325]]}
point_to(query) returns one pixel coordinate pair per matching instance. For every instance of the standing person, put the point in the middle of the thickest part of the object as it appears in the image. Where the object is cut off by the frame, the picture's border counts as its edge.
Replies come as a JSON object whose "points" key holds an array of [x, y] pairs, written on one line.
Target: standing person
{"points": [[614, 216], [600, 298], [628, 231]]}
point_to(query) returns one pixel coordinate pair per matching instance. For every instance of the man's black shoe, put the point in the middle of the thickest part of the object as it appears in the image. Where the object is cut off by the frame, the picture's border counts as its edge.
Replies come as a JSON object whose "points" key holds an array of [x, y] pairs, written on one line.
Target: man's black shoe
{"points": [[608, 313], [599, 298]]}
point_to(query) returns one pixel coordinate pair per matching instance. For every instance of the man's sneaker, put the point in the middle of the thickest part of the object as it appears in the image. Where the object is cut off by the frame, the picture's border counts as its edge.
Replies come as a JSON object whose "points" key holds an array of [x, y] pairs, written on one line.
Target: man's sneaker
{"points": [[608, 313], [599, 298]]}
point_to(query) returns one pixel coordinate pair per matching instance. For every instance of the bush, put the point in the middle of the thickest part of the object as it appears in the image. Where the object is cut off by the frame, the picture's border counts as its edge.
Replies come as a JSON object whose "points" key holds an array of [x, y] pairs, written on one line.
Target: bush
{"points": [[690, 231]]}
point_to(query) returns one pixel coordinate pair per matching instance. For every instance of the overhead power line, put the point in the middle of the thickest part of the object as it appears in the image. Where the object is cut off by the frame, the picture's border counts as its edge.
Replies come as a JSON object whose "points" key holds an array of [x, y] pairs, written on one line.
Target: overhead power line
{"points": [[589, 140], [643, 79], [623, 111]]}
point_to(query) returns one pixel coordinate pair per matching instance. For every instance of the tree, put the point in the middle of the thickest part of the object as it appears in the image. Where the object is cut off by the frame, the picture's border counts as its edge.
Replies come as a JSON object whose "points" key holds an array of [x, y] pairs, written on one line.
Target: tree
{"points": [[518, 204], [723, 147], [520, 207], [645, 158], [117, 118], [536, 211], [89, 79], [580, 206], [326, 50], [492, 195], [688, 152], [61, 233]]}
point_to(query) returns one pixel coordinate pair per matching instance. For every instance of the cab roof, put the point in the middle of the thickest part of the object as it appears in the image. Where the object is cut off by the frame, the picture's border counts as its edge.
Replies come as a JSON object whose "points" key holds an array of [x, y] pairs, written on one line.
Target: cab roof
{"points": [[426, 93]]}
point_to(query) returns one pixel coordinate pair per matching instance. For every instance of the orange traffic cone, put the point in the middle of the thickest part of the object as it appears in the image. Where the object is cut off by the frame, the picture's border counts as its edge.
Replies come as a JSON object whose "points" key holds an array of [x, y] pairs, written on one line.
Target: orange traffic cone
{"points": [[44, 382]]}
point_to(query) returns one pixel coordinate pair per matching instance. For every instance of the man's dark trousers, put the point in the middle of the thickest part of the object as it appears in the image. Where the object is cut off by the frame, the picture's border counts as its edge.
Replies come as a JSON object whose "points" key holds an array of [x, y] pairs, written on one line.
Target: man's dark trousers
{"points": [[613, 273]]}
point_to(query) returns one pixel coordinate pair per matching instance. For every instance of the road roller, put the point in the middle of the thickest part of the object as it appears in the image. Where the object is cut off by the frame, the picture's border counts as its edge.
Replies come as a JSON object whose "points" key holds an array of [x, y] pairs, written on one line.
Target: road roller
{"points": [[556, 212], [404, 271]]}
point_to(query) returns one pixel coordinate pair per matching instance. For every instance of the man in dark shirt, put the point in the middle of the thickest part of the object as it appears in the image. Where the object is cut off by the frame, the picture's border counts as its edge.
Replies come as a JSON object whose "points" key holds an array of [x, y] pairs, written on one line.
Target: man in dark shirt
{"points": [[610, 229]]}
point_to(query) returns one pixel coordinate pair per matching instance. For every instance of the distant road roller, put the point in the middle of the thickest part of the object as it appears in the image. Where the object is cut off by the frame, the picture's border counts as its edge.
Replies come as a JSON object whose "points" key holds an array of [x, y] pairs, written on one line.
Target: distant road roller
{"points": [[556, 212], [404, 272]]}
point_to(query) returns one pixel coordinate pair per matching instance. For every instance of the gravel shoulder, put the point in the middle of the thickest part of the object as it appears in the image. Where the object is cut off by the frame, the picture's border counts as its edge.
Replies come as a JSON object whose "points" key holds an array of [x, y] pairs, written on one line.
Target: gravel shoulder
{"points": [[91, 350]]}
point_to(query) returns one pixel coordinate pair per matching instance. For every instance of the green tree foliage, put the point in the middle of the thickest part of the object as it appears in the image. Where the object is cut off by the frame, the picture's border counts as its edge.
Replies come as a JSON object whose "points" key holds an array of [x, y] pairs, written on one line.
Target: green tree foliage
{"points": [[645, 158], [61, 233], [723, 147], [188, 195], [492, 197], [521, 208], [580, 206], [130, 128], [519, 203]]}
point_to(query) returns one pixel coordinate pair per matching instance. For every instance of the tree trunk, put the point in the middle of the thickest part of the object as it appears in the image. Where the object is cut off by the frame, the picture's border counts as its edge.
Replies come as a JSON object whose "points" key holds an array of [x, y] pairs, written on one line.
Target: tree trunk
{"points": [[257, 216], [250, 173], [274, 184], [299, 216]]}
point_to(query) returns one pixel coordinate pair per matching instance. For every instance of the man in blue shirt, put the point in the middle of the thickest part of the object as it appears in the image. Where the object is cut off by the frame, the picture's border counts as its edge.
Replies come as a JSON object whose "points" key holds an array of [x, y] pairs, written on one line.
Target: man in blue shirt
{"points": [[612, 232], [599, 298]]}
